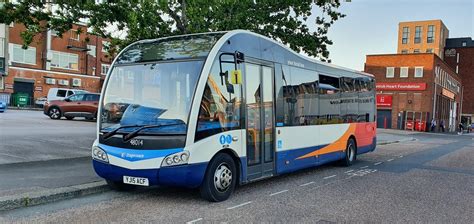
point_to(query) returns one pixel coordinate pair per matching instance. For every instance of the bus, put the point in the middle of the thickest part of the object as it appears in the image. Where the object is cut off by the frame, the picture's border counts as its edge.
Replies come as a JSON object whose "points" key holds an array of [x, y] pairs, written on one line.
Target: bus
{"points": [[221, 109]]}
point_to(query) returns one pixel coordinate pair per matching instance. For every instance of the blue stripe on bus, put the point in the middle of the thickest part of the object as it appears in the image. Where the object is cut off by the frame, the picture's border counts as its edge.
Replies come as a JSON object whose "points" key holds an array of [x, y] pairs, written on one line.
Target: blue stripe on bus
{"points": [[190, 175], [133, 155], [287, 162], [368, 148]]}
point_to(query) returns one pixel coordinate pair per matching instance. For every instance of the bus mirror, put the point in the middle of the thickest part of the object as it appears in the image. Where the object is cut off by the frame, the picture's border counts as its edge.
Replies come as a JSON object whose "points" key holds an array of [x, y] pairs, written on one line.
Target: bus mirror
{"points": [[239, 57], [236, 76]]}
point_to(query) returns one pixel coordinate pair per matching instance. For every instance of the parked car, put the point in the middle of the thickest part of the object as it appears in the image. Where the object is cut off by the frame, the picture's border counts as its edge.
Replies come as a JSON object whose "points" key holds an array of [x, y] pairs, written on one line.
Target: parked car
{"points": [[62, 93], [78, 105], [39, 102], [3, 106]]}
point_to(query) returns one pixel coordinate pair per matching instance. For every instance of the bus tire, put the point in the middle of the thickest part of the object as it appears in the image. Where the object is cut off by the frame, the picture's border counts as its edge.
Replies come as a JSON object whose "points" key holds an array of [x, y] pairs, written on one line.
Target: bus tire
{"points": [[220, 178], [351, 153], [119, 186]]}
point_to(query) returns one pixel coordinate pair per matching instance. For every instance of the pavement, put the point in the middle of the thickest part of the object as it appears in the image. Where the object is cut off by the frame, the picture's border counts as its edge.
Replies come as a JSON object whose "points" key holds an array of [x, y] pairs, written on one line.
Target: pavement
{"points": [[62, 170], [426, 180], [40, 157], [27, 136]]}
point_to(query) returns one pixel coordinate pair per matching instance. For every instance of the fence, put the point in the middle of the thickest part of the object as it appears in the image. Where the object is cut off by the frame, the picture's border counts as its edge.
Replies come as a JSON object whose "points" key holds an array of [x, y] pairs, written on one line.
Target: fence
{"points": [[22, 101]]}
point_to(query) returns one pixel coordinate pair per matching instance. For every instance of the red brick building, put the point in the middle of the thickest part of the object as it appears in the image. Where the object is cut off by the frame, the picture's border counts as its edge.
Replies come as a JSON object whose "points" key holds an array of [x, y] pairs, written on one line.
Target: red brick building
{"points": [[459, 54], [413, 89], [77, 60]]}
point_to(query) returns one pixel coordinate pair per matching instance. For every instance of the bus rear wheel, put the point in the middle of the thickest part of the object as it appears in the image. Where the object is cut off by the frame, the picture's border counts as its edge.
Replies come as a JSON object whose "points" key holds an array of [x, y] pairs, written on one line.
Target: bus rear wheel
{"points": [[351, 153], [220, 179]]}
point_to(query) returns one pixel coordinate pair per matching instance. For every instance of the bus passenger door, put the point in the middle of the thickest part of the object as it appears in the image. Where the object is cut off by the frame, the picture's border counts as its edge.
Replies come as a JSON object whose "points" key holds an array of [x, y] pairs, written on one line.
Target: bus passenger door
{"points": [[259, 92]]}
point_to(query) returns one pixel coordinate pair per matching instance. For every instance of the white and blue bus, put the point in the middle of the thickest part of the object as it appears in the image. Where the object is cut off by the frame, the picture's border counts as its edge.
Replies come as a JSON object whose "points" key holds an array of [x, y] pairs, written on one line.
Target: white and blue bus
{"points": [[216, 110]]}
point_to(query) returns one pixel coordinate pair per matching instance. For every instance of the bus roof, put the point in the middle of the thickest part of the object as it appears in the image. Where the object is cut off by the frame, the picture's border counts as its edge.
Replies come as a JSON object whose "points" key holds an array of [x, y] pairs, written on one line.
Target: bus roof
{"points": [[228, 34]]}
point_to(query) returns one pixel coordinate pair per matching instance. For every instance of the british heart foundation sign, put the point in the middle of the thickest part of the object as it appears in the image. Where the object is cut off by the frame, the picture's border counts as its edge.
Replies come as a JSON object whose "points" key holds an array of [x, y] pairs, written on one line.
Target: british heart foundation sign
{"points": [[384, 100], [401, 86]]}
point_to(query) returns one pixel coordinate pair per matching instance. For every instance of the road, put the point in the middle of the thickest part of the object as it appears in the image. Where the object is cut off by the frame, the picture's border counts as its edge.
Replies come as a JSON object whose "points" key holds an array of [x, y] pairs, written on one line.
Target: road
{"points": [[27, 136], [430, 180]]}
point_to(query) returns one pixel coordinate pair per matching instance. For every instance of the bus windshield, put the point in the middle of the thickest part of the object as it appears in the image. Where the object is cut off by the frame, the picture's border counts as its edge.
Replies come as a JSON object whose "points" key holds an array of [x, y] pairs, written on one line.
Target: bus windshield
{"points": [[152, 94]]}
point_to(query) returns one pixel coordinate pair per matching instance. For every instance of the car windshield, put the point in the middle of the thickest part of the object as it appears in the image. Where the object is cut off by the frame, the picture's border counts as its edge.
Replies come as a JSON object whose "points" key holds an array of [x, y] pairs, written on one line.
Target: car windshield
{"points": [[157, 94]]}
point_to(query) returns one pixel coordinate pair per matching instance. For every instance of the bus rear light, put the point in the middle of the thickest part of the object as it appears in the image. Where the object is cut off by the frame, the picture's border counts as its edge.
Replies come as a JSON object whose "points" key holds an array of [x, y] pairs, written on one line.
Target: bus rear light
{"points": [[179, 158]]}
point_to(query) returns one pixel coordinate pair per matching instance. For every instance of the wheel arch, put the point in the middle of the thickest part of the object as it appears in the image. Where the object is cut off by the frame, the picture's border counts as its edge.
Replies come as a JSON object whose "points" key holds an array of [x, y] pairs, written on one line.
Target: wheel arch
{"points": [[353, 137], [235, 157], [57, 107]]}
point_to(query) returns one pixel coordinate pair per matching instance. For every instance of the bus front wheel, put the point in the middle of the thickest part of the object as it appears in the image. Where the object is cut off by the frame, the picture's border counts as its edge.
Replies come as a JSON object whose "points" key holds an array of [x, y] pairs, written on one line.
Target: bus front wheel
{"points": [[351, 153], [220, 179]]}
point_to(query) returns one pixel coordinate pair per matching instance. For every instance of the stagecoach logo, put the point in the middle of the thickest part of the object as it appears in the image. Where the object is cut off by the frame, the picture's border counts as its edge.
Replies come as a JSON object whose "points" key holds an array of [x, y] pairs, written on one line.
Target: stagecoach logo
{"points": [[131, 156], [136, 142]]}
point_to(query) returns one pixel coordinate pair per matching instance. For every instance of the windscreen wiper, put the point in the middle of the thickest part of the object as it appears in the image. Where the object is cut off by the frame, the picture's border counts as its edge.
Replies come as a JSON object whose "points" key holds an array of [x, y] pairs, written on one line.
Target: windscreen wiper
{"points": [[113, 132], [133, 134]]}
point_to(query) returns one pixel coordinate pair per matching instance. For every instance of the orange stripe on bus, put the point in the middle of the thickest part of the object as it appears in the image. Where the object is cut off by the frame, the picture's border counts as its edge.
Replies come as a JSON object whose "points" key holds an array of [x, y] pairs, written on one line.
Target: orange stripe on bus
{"points": [[338, 145]]}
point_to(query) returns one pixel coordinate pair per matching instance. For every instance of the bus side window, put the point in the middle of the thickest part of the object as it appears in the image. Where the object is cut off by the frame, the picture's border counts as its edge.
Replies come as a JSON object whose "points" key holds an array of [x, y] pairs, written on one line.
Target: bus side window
{"points": [[220, 105]]}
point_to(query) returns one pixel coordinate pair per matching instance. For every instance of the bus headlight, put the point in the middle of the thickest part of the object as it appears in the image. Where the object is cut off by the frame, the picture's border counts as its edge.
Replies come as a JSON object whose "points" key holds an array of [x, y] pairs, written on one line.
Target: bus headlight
{"points": [[179, 158], [99, 154]]}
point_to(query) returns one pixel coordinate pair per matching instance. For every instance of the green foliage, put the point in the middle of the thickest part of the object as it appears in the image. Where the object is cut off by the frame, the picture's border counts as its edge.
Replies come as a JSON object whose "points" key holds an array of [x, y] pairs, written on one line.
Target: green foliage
{"points": [[284, 20]]}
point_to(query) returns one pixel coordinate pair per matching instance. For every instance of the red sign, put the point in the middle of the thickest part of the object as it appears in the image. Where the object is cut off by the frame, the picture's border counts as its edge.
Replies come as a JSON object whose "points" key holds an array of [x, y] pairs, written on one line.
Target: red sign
{"points": [[401, 86], [384, 100]]}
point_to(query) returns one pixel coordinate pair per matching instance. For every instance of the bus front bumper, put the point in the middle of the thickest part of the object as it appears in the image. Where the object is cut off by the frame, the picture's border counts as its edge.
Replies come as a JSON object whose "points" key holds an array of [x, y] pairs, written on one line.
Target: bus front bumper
{"points": [[189, 175]]}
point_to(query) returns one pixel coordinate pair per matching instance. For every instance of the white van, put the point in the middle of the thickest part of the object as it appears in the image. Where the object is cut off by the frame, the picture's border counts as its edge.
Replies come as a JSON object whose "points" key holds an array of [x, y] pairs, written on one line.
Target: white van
{"points": [[61, 93]]}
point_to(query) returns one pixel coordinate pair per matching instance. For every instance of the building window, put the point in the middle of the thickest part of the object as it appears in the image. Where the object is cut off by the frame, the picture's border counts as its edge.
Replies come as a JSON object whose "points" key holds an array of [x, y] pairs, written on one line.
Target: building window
{"points": [[74, 35], [65, 60], [416, 51], [404, 51], [2, 82], [105, 46], [418, 72], [91, 50], [406, 34], [417, 34], [404, 72], [429, 50], [464, 43], [390, 72], [20, 55], [105, 69], [430, 37]]}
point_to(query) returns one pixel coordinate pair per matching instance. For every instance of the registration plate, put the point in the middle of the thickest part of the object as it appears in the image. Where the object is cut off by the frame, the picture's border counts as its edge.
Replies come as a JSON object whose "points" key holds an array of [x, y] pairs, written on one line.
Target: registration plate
{"points": [[136, 180]]}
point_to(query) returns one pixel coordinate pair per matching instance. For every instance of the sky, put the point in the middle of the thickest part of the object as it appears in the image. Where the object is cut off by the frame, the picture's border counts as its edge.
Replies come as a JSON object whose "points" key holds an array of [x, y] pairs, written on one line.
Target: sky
{"points": [[371, 26]]}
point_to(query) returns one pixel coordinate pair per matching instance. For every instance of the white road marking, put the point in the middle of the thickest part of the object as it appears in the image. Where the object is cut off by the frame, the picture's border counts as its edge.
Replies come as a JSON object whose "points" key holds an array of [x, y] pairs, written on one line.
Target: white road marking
{"points": [[388, 160], [375, 164], [237, 206], [348, 171], [312, 182], [194, 221], [364, 167], [329, 177], [279, 192]]}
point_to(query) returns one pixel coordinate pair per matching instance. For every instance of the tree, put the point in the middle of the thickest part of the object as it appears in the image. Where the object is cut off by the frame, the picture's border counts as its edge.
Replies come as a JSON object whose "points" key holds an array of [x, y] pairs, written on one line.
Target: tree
{"points": [[284, 20]]}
